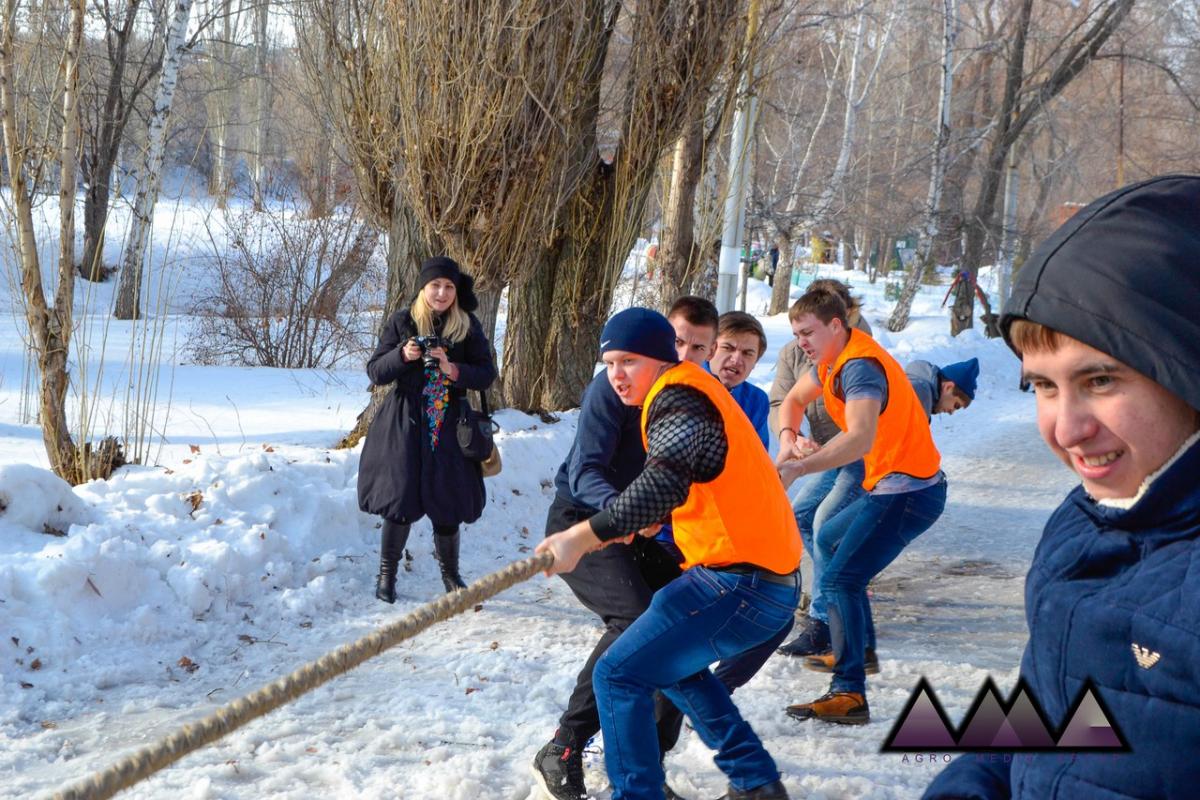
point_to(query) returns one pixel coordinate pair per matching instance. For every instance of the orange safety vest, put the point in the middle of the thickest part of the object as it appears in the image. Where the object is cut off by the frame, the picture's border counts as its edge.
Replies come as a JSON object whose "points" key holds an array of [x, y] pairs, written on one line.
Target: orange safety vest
{"points": [[744, 515], [903, 442]]}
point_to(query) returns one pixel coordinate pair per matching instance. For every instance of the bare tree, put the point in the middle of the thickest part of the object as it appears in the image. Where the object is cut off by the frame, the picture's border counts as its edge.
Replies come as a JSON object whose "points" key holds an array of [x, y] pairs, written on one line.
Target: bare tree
{"points": [[116, 77], [937, 172], [341, 45], [150, 177], [262, 80], [506, 169], [222, 74], [68, 156], [783, 207], [341, 52], [858, 87], [28, 150], [1021, 103]]}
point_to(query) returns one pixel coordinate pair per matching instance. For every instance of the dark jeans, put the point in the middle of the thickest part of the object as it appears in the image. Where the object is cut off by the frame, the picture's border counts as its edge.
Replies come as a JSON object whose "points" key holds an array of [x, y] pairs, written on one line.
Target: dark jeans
{"points": [[871, 532], [821, 498], [702, 617], [616, 583], [731, 672]]}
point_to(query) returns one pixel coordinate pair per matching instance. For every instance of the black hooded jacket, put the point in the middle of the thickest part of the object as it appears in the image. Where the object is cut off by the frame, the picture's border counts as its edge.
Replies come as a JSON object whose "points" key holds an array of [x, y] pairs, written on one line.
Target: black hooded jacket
{"points": [[401, 477]]}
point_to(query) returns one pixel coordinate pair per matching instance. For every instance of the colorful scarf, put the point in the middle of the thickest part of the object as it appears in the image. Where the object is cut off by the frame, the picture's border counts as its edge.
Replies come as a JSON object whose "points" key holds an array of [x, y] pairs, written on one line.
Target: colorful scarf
{"points": [[436, 395]]}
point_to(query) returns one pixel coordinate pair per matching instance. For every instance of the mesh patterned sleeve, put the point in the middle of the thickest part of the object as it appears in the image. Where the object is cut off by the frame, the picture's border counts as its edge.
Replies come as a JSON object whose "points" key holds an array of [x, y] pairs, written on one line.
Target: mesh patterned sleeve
{"points": [[686, 444]]}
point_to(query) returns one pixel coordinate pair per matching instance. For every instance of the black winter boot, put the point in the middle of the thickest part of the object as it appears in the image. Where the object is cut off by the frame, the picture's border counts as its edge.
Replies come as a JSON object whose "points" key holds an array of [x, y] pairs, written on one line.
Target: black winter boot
{"points": [[771, 791], [391, 546], [559, 771], [445, 544], [813, 640]]}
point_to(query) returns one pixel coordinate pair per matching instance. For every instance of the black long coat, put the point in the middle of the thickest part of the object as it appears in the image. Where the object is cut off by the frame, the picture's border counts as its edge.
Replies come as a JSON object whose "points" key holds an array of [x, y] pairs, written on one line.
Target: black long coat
{"points": [[400, 477]]}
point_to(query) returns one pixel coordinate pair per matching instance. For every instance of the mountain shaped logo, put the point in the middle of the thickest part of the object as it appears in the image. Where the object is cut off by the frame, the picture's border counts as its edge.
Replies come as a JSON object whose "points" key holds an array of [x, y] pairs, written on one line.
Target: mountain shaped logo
{"points": [[995, 724]]}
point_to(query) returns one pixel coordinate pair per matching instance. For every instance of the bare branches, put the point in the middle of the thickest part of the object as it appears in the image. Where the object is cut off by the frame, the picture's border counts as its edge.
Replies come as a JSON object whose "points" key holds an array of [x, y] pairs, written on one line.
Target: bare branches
{"points": [[491, 110]]}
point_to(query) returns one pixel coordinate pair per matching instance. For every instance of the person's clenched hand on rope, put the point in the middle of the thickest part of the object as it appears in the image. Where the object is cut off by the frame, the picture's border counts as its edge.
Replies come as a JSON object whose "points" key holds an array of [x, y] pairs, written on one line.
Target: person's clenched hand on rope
{"points": [[575, 542], [790, 463]]}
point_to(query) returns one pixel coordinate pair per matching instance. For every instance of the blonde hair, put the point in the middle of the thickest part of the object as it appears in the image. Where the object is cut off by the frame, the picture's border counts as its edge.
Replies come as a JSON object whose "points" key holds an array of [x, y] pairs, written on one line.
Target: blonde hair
{"points": [[456, 322]]}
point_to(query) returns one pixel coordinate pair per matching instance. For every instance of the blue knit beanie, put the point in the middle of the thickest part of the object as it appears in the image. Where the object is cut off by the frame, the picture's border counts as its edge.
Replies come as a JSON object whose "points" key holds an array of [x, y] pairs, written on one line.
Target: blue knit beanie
{"points": [[963, 374], [641, 331]]}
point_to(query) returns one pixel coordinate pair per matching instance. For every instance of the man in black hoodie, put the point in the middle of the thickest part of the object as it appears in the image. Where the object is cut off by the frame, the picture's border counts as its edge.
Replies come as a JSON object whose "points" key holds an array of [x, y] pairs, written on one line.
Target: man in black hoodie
{"points": [[1104, 319]]}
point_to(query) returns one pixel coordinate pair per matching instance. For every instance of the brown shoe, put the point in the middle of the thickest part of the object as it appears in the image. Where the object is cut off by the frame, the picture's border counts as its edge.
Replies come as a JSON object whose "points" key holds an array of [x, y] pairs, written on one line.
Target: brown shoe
{"points": [[844, 708], [825, 662]]}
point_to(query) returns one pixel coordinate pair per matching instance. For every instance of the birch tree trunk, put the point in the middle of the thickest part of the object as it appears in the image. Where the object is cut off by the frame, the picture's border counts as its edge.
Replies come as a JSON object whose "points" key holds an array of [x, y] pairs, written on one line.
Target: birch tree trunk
{"points": [[219, 105], [855, 97], [898, 321], [129, 287], [68, 156], [263, 104]]}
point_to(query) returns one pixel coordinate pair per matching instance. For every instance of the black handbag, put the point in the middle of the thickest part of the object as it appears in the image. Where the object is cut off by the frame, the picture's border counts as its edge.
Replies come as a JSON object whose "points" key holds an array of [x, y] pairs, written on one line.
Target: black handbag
{"points": [[475, 433]]}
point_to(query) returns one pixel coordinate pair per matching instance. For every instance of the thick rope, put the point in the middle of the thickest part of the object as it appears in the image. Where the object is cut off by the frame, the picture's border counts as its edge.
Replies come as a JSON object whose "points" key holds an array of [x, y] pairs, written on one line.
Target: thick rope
{"points": [[145, 762]]}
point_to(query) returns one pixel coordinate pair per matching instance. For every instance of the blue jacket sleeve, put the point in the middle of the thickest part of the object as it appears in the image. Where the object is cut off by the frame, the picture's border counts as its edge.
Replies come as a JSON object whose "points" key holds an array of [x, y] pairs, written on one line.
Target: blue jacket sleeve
{"points": [[971, 778], [762, 412], [756, 405], [975, 777], [596, 439]]}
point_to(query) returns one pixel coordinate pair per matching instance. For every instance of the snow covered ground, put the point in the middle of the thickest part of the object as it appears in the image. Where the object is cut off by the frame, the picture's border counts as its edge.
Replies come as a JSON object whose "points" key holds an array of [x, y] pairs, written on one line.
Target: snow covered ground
{"points": [[241, 554]]}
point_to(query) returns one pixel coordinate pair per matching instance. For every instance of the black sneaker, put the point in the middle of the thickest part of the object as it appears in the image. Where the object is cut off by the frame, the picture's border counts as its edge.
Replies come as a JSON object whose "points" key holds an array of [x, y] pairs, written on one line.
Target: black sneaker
{"points": [[771, 791], [559, 771], [813, 640]]}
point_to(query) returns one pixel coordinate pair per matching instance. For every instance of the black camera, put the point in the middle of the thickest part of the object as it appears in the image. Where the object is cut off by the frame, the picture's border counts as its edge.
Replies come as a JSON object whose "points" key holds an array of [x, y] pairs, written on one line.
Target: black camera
{"points": [[427, 343]]}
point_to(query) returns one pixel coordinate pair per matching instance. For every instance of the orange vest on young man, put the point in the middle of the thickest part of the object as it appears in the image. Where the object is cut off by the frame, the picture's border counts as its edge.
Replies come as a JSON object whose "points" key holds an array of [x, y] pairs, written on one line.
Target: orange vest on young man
{"points": [[903, 441], [744, 515]]}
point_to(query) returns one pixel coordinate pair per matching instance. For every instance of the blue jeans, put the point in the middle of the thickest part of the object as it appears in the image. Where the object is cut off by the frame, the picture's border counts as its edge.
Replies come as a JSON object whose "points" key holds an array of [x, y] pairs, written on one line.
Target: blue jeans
{"points": [[819, 500], [701, 617], [872, 531]]}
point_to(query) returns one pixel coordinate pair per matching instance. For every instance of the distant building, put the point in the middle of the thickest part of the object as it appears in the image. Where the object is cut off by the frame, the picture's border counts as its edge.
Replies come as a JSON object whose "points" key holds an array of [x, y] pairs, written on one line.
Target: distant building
{"points": [[1062, 213]]}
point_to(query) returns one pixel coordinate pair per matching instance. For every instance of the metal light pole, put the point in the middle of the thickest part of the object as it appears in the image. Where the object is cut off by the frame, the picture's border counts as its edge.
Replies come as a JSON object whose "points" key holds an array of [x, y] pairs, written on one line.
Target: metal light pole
{"points": [[735, 197]]}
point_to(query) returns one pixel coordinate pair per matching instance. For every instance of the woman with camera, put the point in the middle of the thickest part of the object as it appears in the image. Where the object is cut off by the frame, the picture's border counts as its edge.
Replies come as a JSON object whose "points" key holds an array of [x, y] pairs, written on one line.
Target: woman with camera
{"points": [[412, 465]]}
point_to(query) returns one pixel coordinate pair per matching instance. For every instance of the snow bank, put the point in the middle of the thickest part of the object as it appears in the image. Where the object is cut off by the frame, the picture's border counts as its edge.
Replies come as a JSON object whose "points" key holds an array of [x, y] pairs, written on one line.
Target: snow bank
{"points": [[37, 500]]}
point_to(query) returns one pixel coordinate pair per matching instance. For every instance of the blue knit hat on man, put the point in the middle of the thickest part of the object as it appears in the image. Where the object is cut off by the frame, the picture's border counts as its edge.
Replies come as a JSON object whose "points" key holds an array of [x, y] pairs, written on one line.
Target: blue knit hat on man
{"points": [[963, 374], [641, 331]]}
